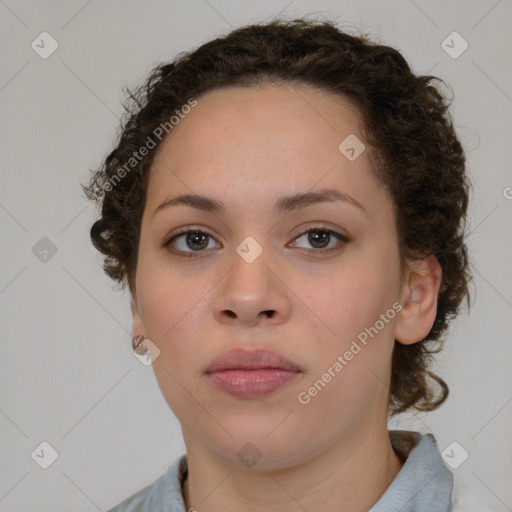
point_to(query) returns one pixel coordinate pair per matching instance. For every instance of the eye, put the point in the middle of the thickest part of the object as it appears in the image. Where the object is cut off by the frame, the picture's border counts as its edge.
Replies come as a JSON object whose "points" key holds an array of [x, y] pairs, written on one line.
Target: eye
{"points": [[191, 242], [320, 238], [192, 239]]}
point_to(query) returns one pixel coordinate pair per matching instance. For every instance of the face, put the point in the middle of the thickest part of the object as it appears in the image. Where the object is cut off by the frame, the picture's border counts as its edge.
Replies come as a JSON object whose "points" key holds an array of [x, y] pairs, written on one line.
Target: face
{"points": [[315, 281]]}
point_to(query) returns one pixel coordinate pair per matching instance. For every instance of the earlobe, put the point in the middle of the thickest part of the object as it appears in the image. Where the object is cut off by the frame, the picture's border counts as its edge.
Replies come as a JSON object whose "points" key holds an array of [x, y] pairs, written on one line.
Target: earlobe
{"points": [[419, 300], [137, 327]]}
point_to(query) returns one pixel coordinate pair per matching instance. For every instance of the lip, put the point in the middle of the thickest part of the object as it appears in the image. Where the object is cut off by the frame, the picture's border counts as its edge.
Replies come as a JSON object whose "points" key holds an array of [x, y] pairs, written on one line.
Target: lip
{"points": [[251, 373]]}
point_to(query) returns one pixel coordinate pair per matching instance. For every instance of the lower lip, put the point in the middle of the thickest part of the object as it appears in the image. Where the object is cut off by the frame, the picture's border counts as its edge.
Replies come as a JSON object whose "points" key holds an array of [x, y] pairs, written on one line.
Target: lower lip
{"points": [[251, 383]]}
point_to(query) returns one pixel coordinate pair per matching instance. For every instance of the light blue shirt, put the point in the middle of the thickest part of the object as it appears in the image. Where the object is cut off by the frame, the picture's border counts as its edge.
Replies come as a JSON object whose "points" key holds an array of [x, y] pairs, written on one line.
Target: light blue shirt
{"points": [[424, 484]]}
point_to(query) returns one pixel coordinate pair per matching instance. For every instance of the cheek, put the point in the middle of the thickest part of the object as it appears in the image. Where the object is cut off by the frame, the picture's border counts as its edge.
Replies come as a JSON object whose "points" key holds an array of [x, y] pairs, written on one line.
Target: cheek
{"points": [[164, 292], [169, 306], [357, 304], [352, 395], [350, 370], [352, 298], [173, 316]]}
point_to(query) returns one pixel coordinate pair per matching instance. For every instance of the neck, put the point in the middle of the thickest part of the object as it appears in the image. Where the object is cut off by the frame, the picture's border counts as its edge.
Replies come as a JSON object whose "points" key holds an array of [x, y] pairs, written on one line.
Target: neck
{"points": [[355, 472]]}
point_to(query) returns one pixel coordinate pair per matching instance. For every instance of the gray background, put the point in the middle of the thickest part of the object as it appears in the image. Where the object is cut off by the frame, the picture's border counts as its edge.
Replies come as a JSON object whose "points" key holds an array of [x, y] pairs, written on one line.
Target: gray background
{"points": [[68, 376]]}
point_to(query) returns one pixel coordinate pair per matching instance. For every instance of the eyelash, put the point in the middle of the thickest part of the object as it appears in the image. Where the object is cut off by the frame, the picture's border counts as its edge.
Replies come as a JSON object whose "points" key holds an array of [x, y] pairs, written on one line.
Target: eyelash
{"points": [[312, 252]]}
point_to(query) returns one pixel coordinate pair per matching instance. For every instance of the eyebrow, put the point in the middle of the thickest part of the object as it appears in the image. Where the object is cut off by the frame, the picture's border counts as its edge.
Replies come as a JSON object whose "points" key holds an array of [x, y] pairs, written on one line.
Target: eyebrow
{"points": [[283, 204]]}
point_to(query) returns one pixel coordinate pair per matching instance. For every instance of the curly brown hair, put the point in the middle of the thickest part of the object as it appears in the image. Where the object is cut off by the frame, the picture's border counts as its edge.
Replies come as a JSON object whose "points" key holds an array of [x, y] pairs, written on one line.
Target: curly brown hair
{"points": [[414, 152]]}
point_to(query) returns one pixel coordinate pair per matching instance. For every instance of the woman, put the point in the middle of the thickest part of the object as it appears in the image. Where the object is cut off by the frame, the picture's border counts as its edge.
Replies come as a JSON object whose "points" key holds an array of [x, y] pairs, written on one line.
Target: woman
{"points": [[287, 205]]}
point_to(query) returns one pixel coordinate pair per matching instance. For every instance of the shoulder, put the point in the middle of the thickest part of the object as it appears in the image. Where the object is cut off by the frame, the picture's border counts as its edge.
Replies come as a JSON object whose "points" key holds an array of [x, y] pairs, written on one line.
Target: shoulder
{"points": [[465, 498], [425, 479], [163, 494]]}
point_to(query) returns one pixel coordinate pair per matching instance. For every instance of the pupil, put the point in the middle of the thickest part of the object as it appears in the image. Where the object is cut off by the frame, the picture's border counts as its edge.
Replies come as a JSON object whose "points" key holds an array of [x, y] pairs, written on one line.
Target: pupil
{"points": [[315, 238], [196, 237]]}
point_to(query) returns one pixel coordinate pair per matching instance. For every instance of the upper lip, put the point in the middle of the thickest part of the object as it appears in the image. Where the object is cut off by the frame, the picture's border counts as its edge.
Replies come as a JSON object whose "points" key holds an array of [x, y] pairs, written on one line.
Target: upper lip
{"points": [[255, 359]]}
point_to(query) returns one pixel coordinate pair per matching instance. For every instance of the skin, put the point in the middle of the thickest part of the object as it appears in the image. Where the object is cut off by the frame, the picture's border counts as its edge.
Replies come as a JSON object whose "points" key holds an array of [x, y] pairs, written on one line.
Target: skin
{"points": [[247, 147]]}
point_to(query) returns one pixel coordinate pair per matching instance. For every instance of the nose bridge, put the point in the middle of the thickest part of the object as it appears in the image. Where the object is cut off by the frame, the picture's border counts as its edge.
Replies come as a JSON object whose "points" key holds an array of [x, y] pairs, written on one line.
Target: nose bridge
{"points": [[249, 277], [251, 290]]}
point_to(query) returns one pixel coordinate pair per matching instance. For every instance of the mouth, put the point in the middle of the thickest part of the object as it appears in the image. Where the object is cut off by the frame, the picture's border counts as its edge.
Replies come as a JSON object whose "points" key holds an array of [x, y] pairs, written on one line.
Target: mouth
{"points": [[251, 374]]}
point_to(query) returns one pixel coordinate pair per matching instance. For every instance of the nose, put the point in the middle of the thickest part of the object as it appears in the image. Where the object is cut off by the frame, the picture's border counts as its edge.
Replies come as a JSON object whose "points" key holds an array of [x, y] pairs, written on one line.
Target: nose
{"points": [[252, 293]]}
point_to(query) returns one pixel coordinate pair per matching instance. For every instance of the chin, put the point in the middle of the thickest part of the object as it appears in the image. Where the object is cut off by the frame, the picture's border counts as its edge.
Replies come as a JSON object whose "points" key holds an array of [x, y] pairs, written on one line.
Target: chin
{"points": [[262, 446]]}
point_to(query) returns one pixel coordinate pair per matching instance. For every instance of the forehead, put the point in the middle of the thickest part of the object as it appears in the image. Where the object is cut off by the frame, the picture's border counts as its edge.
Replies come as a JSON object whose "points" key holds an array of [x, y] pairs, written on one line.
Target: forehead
{"points": [[264, 140], [271, 114]]}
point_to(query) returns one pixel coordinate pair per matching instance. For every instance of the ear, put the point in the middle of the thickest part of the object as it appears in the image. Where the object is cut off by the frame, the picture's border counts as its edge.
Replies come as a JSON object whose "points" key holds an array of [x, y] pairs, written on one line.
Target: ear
{"points": [[137, 327], [419, 300]]}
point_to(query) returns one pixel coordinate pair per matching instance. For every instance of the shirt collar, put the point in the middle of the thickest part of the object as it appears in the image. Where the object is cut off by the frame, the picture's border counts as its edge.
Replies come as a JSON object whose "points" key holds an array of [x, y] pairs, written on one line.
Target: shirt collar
{"points": [[424, 484]]}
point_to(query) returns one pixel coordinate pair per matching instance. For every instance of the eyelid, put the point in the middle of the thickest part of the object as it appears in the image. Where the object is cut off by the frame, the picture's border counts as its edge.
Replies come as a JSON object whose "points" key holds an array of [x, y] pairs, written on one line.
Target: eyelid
{"points": [[322, 227], [185, 230]]}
